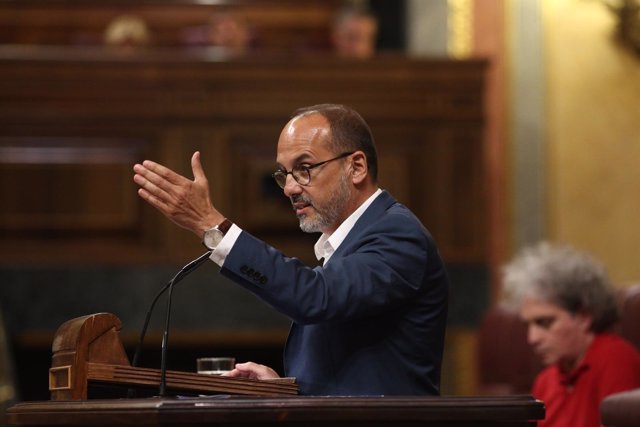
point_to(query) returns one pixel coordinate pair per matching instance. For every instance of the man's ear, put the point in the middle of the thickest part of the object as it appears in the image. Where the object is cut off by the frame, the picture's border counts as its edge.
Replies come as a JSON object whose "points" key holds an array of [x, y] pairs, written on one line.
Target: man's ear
{"points": [[359, 169]]}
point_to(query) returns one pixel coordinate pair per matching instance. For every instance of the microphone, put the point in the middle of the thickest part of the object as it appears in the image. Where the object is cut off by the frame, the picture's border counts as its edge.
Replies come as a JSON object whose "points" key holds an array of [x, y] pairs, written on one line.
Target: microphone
{"points": [[187, 269]]}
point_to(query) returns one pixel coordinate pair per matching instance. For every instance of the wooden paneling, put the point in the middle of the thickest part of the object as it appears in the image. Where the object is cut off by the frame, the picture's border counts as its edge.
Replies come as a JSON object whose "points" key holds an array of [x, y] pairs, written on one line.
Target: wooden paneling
{"points": [[73, 122], [39, 176]]}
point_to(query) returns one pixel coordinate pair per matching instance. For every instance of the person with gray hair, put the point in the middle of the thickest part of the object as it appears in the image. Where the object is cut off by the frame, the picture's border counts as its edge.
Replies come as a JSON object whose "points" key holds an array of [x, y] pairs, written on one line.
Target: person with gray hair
{"points": [[569, 305]]}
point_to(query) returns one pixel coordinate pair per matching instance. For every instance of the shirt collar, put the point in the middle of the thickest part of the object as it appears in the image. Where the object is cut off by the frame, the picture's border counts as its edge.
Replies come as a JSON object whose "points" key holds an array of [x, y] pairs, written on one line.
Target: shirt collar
{"points": [[570, 378], [328, 244]]}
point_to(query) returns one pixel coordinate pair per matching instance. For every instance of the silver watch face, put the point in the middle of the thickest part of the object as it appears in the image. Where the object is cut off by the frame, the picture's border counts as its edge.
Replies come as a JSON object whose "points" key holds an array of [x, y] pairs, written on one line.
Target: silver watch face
{"points": [[212, 238]]}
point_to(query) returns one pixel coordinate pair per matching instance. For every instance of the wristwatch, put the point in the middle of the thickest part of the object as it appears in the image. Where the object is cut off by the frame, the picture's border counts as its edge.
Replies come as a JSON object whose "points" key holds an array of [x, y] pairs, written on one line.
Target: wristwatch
{"points": [[212, 237]]}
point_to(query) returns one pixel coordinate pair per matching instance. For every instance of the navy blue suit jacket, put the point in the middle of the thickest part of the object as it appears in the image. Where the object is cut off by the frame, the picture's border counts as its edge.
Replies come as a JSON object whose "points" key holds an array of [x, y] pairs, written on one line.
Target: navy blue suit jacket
{"points": [[371, 321]]}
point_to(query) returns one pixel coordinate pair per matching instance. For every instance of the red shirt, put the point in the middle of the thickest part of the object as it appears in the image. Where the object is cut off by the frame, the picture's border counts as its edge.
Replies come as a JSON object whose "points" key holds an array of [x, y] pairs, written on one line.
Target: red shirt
{"points": [[610, 365]]}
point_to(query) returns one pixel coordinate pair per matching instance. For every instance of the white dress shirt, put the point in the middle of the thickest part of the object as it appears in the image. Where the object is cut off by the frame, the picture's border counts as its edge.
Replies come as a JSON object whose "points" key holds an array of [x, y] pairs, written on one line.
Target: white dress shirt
{"points": [[324, 247], [328, 244]]}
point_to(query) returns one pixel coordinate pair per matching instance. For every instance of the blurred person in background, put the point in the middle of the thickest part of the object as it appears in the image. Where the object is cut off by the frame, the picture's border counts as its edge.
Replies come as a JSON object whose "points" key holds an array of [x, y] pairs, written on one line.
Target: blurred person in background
{"points": [[354, 33], [570, 307], [127, 32], [229, 31], [226, 30]]}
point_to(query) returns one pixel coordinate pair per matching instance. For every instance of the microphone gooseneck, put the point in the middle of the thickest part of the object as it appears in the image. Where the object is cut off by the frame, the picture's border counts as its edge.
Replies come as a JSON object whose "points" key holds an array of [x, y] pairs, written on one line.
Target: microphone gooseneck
{"points": [[165, 337], [193, 265]]}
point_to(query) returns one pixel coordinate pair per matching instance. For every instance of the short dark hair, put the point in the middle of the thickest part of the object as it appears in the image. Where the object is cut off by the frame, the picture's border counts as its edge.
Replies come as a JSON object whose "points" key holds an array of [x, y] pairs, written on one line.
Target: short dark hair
{"points": [[349, 132]]}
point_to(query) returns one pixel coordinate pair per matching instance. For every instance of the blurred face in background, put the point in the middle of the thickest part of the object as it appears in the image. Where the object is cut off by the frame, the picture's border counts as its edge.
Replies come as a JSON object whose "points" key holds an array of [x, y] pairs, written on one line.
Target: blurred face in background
{"points": [[229, 31], [355, 37], [556, 335]]}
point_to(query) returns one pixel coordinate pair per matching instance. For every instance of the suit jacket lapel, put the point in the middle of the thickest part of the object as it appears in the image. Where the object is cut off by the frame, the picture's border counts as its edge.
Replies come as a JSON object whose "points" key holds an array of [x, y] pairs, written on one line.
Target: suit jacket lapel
{"points": [[377, 208]]}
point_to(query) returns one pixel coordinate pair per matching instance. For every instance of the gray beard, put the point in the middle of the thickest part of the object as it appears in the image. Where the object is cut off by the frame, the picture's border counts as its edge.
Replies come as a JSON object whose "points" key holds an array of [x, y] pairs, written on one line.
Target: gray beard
{"points": [[326, 216]]}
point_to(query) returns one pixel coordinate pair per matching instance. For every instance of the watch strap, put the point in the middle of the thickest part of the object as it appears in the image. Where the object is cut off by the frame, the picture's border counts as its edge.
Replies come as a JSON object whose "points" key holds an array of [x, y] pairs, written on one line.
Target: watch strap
{"points": [[224, 226]]}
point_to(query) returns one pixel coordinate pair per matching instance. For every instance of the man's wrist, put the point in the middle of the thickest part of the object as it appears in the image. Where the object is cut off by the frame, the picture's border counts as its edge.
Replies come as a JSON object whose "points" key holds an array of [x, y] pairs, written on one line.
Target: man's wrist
{"points": [[219, 256], [212, 237]]}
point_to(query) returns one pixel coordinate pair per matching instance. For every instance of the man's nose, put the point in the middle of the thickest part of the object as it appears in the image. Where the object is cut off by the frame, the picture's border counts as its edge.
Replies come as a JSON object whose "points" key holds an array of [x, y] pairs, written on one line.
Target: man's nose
{"points": [[291, 186]]}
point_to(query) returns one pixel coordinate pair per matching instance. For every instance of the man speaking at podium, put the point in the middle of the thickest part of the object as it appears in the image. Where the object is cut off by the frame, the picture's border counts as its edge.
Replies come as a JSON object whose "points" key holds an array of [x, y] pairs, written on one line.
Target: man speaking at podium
{"points": [[369, 321]]}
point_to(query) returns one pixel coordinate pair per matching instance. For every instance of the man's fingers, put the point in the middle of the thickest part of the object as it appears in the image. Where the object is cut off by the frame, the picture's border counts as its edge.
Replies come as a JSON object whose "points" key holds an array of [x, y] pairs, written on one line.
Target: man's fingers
{"points": [[162, 173], [157, 177], [145, 182], [236, 373], [254, 370]]}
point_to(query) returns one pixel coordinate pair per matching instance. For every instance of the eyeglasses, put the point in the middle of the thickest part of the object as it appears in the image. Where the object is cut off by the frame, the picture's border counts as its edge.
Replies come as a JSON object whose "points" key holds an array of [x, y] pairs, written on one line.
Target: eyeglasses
{"points": [[302, 173]]}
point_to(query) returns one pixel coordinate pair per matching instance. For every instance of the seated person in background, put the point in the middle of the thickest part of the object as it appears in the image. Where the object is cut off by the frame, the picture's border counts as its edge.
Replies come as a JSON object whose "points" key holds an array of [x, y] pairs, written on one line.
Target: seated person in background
{"points": [[229, 31], [371, 319], [354, 33], [127, 32], [225, 29], [566, 300]]}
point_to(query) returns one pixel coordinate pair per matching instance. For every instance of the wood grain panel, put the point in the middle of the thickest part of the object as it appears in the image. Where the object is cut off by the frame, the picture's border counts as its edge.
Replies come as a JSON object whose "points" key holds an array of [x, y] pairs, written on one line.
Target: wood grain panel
{"points": [[67, 185], [105, 111]]}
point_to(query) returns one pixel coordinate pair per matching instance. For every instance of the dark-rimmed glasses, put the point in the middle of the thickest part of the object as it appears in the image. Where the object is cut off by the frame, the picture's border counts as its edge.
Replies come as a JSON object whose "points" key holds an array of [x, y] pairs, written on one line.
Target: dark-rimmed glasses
{"points": [[302, 173]]}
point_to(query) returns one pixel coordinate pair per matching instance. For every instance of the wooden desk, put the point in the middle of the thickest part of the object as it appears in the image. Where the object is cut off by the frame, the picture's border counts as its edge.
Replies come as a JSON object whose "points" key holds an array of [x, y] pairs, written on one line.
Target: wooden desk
{"points": [[500, 411]]}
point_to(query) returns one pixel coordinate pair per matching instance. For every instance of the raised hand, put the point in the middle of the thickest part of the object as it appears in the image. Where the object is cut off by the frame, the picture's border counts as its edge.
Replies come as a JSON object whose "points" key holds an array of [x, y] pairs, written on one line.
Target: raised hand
{"points": [[185, 202]]}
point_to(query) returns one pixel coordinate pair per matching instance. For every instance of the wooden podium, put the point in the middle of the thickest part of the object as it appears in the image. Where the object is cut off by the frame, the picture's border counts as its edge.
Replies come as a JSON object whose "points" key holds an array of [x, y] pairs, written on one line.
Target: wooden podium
{"points": [[244, 411], [88, 350]]}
